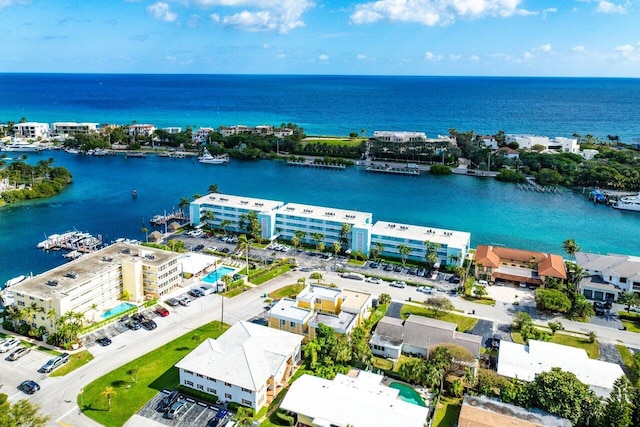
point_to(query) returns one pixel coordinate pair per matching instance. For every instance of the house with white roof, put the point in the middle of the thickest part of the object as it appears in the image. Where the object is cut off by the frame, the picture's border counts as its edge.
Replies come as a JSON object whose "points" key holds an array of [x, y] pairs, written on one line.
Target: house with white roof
{"points": [[609, 275], [249, 364], [399, 137], [31, 130], [526, 361], [141, 130], [359, 400], [72, 128]]}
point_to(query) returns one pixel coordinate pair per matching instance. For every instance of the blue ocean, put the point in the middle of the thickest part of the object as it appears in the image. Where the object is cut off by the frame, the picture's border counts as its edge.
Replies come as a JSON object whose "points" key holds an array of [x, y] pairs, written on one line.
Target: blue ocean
{"points": [[100, 199]]}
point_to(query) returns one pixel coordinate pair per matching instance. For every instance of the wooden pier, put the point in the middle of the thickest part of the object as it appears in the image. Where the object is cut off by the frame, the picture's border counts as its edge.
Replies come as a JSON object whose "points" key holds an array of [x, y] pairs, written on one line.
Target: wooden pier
{"points": [[316, 165], [385, 168]]}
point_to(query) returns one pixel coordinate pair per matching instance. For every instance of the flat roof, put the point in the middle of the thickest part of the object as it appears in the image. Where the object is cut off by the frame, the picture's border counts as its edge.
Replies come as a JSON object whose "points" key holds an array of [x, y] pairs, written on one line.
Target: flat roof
{"points": [[525, 361], [478, 411], [341, 322], [355, 299], [360, 401], [87, 267], [241, 202], [451, 238], [287, 309], [312, 292], [327, 214]]}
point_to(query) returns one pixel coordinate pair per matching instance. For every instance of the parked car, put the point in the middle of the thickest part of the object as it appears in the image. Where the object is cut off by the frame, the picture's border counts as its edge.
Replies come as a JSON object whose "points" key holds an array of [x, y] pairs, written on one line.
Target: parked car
{"points": [[598, 308], [398, 284], [224, 250], [139, 317], [455, 279], [220, 419], [19, 352], [374, 280], [198, 248], [168, 400], [425, 289], [421, 272], [163, 312], [397, 268], [522, 285], [54, 363], [212, 249], [134, 325], [104, 341], [495, 341], [29, 386], [196, 293], [149, 325], [9, 344], [236, 277], [184, 301], [412, 271], [173, 302], [374, 264], [175, 410], [482, 283], [635, 309], [387, 267]]}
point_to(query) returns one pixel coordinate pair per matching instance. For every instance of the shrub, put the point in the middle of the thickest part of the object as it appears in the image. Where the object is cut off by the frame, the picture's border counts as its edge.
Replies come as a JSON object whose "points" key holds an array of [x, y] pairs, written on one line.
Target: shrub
{"points": [[552, 300], [440, 170], [284, 419]]}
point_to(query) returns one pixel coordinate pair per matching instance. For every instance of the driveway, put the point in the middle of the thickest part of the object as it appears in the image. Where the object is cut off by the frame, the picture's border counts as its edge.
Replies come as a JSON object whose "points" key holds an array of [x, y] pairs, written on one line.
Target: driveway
{"points": [[394, 310], [609, 353], [484, 328]]}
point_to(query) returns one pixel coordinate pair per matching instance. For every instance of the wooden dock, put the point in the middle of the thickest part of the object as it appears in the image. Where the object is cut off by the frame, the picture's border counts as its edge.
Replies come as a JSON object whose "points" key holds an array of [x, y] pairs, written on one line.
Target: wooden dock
{"points": [[385, 168]]}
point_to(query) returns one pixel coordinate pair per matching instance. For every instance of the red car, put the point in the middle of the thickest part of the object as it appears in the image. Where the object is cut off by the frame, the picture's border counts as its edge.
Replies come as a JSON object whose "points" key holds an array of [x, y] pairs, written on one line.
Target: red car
{"points": [[162, 311]]}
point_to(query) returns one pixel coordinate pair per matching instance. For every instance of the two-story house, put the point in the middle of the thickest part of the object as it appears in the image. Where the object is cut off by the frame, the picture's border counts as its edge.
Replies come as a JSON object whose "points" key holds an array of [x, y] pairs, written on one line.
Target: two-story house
{"points": [[608, 275]]}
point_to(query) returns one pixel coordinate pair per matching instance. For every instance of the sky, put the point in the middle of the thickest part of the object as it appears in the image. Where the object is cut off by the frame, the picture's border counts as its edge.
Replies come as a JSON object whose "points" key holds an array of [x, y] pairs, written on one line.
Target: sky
{"points": [[565, 38]]}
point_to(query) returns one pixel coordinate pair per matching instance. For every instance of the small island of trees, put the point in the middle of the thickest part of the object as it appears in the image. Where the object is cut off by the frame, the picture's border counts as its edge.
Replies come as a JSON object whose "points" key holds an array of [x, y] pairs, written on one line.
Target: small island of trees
{"points": [[20, 181]]}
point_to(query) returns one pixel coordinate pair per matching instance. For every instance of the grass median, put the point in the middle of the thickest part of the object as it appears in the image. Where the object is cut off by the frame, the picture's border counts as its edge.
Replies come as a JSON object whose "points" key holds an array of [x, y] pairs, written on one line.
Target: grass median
{"points": [[136, 382]]}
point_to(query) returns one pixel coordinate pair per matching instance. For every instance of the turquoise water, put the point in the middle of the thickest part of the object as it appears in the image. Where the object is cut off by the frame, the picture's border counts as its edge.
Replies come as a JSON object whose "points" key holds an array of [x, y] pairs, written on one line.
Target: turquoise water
{"points": [[120, 308], [408, 394], [218, 273]]}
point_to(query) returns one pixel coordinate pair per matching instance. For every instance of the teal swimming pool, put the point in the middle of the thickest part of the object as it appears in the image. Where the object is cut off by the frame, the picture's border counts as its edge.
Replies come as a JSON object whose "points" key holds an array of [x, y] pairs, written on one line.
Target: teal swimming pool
{"points": [[120, 308], [217, 274], [408, 394]]}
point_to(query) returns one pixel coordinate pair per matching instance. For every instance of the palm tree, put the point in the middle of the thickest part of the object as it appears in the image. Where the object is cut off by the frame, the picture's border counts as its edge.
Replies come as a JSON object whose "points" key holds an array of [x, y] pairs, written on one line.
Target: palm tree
{"points": [[51, 315], [311, 351], [571, 247], [336, 249], [208, 216], [432, 252], [404, 253], [144, 230], [108, 392], [184, 202], [300, 235], [454, 258], [379, 248], [94, 307], [244, 245], [344, 235], [318, 238], [244, 417], [213, 188], [224, 224], [629, 299]]}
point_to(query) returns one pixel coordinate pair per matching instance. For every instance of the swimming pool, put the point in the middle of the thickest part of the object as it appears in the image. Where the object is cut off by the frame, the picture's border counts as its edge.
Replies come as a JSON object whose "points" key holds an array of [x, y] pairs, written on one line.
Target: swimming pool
{"points": [[217, 274], [120, 308], [408, 394]]}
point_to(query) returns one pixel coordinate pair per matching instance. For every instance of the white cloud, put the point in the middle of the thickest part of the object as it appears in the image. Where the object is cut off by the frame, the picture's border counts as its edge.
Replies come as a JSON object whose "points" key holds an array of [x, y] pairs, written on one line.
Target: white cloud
{"points": [[161, 10], [361, 56], [429, 56], [281, 55], [544, 48], [432, 12], [528, 55], [624, 49], [474, 58], [259, 15], [578, 49], [7, 3], [609, 7], [453, 57], [547, 11], [266, 46], [323, 57]]}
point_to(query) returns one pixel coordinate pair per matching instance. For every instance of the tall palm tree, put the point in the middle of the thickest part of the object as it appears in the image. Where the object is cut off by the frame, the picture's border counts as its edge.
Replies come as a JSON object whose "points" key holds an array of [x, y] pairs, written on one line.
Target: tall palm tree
{"points": [[300, 235], [51, 315], [379, 248], [571, 247], [244, 245], [213, 188], [318, 238], [404, 253], [224, 224], [184, 202], [344, 235], [454, 258], [94, 307], [108, 392], [432, 252], [208, 217], [336, 249]]}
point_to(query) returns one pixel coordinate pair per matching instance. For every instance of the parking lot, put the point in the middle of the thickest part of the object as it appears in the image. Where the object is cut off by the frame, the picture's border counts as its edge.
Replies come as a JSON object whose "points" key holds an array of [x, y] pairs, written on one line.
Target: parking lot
{"points": [[194, 413], [25, 368]]}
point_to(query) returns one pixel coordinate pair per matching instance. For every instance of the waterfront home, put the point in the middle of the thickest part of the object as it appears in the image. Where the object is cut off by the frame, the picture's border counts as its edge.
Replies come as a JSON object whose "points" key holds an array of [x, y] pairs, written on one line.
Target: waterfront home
{"points": [[559, 143], [341, 309], [417, 335], [249, 364], [507, 152], [172, 129], [451, 246], [65, 129], [501, 264], [608, 275], [201, 135], [399, 137], [31, 130], [141, 130], [95, 282], [357, 399], [480, 411], [524, 362]]}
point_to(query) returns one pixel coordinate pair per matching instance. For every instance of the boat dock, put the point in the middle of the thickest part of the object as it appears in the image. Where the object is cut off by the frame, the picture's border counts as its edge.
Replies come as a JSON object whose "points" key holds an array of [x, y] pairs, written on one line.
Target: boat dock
{"points": [[74, 241], [386, 168], [311, 164], [158, 220]]}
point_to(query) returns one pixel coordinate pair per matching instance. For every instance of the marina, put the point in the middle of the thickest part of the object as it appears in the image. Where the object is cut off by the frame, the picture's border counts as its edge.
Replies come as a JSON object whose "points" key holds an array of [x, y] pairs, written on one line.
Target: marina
{"points": [[160, 220], [313, 164], [75, 241], [410, 169]]}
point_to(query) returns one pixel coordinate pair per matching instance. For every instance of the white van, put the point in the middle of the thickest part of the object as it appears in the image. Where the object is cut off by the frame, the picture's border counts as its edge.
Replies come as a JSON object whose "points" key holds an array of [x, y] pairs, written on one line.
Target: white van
{"points": [[482, 283]]}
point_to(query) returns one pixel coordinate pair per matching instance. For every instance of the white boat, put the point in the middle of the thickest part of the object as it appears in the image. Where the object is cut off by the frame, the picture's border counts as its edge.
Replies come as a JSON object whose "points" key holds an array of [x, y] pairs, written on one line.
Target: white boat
{"points": [[72, 151], [25, 147], [14, 281], [208, 158], [628, 203]]}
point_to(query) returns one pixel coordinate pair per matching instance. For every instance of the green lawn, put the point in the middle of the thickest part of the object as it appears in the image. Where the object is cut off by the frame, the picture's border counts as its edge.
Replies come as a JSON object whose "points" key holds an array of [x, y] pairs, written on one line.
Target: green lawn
{"points": [[464, 323], [237, 290], [627, 360], [481, 300], [380, 363], [138, 381], [447, 412], [336, 141], [559, 338], [631, 321], [76, 361], [261, 278], [289, 291]]}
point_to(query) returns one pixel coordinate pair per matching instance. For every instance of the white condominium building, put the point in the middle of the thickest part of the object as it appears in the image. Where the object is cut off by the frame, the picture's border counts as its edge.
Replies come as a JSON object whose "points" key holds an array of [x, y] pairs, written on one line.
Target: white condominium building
{"points": [[230, 209], [31, 130], [451, 246], [391, 136], [94, 283], [71, 128], [328, 222], [201, 135], [141, 130]]}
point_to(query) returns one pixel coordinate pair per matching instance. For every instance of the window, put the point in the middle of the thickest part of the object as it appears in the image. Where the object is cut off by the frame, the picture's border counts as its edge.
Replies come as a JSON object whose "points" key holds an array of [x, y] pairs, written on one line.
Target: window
{"points": [[189, 383], [246, 402], [293, 324], [228, 396], [283, 323], [211, 390], [21, 303], [623, 280], [199, 375], [246, 390], [228, 384], [200, 387]]}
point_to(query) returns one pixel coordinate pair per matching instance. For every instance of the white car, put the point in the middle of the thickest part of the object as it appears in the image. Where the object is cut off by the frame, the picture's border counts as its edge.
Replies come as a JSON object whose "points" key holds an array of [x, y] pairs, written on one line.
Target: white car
{"points": [[374, 280], [9, 345], [425, 289], [398, 284], [635, 309], [482, 283]]}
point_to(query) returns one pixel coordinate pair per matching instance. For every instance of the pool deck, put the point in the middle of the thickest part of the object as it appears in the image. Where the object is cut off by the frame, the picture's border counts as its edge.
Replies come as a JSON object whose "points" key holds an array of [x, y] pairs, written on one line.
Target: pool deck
{"points": [[424, 393]]}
